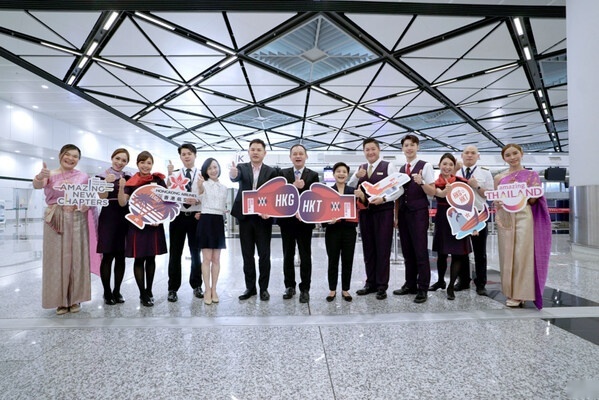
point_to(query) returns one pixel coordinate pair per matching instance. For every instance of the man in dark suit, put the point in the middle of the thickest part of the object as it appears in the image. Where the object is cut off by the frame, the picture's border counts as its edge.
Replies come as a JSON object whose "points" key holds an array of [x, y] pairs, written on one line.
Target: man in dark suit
{"points": [[295, 231], [254, 230]]}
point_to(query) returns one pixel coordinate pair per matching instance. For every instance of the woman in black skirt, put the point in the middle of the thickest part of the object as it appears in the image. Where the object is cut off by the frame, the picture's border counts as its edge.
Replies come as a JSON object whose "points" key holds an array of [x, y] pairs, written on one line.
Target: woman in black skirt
{"points": [[444, 243], [143, 244], [112, 229], [211, 225]]}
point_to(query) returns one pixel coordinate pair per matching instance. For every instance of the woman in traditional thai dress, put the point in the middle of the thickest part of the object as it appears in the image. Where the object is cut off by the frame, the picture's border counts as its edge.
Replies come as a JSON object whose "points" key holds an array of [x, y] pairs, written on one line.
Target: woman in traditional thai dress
{"points": [[524, 237], [444, 242], [143, 244], [112, 229], [66, 278]]}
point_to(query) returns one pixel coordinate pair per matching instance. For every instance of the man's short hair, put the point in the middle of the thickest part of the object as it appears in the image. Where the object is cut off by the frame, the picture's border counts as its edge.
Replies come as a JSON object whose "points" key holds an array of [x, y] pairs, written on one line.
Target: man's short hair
{"points": [[189, 147], [298, 145], [371, 140], [259, 141], [412, 138]]}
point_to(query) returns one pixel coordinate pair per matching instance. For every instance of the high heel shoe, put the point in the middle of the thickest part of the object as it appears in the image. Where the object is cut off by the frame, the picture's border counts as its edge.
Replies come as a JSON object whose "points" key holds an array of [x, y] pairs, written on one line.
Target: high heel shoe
{"points": [[331, 297], [146, 301], [109, 300], [118, 298], [214, 298], [346, 296], [437, 285], [450, 293], [514, 303]]}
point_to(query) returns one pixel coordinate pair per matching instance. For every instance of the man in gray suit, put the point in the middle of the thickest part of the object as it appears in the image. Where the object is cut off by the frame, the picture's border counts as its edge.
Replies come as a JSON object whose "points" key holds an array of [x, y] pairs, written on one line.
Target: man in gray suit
{"points": [[255, 231]]}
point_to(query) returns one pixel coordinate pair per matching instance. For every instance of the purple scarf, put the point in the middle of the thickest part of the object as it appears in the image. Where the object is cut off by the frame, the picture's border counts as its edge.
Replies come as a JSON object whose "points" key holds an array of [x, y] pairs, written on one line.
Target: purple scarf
{"points": [[542, 231]]}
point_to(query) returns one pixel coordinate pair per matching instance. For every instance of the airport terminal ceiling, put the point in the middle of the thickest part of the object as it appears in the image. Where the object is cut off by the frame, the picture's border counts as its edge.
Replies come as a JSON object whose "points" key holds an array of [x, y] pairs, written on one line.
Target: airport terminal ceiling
{"points": [[324, 74]]}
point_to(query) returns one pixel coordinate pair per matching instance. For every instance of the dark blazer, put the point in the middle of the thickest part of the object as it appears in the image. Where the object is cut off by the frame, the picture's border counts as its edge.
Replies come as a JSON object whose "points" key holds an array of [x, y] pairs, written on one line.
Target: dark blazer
{"points": [[309, 178], [245, 177], [344, 222]]}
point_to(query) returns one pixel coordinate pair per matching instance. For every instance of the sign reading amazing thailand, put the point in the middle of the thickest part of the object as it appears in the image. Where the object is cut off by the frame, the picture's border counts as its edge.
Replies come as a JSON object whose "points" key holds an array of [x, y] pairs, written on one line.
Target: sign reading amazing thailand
{"points": [[84, 194], [463, 216], [277, 198], [514, 195], [146, 207]]}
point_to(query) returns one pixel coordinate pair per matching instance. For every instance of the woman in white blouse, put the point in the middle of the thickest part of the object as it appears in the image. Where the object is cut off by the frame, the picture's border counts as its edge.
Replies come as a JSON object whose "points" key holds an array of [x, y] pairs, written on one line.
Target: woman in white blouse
{"points": [[211, 226]]}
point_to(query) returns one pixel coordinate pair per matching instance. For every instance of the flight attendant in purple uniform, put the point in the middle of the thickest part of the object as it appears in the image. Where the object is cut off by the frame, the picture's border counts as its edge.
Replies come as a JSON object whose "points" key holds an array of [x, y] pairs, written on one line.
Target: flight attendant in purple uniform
{"points": [[413, 220], [376, 221]]}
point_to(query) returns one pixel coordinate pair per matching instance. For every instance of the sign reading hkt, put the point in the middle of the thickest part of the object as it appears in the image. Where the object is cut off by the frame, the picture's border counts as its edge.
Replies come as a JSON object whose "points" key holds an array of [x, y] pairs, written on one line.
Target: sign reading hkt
{"points": [[514, 195], [84, 194], [463, 216], [277, 198]]}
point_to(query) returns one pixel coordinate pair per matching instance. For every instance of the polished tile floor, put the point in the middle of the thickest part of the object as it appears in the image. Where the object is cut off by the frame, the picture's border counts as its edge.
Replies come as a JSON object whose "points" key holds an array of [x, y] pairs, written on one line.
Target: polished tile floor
{"points": [[471, 348]]}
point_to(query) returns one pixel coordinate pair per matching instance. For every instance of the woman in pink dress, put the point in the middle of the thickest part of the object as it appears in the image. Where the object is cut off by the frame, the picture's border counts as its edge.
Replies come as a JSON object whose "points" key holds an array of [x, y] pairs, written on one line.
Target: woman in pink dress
{"points": [[523, 272], [66, 278]]}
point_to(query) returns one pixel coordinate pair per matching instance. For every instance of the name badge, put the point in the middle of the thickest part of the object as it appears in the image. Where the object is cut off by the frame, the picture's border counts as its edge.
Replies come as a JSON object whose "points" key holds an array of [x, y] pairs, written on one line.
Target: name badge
{"points": [[379, 173]]}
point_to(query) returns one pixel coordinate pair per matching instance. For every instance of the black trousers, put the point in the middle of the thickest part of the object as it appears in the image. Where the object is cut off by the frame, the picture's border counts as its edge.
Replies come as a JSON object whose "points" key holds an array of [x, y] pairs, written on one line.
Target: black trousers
{"points": [[255, 233], [301, 234], [479, 247], [179, 228], [413, 235], [341, 242]]}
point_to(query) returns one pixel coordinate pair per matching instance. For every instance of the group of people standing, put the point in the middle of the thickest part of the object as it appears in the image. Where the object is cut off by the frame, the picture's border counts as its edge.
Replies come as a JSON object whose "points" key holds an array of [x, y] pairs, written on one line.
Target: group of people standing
{"points": [[67, 254]]}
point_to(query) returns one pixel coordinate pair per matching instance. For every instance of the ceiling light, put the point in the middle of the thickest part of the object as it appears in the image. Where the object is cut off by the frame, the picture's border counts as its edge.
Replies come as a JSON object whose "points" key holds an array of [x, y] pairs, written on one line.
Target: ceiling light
{"points": [[244, 102], [60, 48], [155, 21], [319, 89], [181, 90], [383, 117], [150, 108], [196, 80], [500, 68], [363, 109], [219, 47], [92, 48], [527, 52], [136, 116], [160, 102], [518, 25], [17, 151], [520, 93], [110, 21], [205, 90], [469, 104], [109, 62], [71, 80], [369, 102], [548, 120], [162, 78], [540, 93], [408, 92], [345, 108], [444, 83], [227, 61], [348, 102], [546, 112], [544, 105], [44, 86], [82, 62], [36, 107]]}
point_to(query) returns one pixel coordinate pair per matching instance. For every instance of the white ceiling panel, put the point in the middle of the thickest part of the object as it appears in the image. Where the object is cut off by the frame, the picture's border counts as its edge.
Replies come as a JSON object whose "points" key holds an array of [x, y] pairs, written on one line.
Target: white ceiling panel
{"points": [[211, 24], [388, 81], [250, 26], [430, 26], [387, 29], [73, 28], [497, 46], [552, 34]]}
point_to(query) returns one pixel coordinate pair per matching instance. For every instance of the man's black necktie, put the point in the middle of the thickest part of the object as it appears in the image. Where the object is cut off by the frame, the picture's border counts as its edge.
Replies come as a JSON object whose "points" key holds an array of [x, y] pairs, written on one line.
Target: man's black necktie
{"points": [[188, 186], [468, 173]]}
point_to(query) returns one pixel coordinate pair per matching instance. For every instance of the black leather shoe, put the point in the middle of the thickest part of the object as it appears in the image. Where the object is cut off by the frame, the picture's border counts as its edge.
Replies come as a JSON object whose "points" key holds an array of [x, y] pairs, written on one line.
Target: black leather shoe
{"points": [[197, 292], [118, 298], [150, 295], [304, 296], [331, 298], [289, 293], [459, 286], [264, 295], [347, 297], [365, 290], [109, 300], [437, 285], [481, 291], [172, 296], [247, 294], [381, 295], [404, 290], [420, 296]]}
